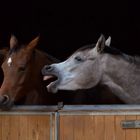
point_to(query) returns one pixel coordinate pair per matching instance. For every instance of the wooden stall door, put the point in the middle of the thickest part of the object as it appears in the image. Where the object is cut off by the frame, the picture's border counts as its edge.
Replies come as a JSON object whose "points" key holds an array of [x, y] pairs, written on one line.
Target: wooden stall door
{"points": [[24, 127], [96, 127]]}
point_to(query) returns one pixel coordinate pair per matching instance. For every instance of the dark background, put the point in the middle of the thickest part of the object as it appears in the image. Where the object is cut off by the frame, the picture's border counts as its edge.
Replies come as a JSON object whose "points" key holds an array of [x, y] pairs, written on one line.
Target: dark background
{"points": [[64, 27]]}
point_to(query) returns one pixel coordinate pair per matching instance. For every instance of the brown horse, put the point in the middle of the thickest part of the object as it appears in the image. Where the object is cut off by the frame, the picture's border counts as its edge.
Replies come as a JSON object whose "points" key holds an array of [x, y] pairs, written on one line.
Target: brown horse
{"points": [[23, 82]]}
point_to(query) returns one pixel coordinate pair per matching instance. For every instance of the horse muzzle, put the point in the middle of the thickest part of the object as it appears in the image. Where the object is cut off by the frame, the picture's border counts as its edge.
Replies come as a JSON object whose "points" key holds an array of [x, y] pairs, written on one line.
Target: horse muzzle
{"points": [[46, 69], [5, 102]]}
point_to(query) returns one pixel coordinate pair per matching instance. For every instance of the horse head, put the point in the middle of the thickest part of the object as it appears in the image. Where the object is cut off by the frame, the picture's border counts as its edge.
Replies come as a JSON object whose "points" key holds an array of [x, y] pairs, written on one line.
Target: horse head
{"points": [[22, 82]]}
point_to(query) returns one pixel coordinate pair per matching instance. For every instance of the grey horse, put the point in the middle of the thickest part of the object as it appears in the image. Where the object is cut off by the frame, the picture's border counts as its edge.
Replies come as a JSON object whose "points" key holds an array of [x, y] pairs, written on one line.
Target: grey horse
{"points": [[98, 64]]}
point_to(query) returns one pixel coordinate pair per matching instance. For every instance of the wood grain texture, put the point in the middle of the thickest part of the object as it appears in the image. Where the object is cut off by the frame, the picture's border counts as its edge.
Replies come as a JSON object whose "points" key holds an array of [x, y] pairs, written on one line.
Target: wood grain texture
{"points": [[89, 127], [96, 127], [138, 130], [99, 127], [119, 131], [109, 128], [25, 127], [78, 127], [66, 128], [131, 133]]}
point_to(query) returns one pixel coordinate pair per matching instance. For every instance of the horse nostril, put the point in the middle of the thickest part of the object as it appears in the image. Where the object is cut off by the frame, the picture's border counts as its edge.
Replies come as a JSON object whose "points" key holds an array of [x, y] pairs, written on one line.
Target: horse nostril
{"points": [[6, 99], [48, 67]]}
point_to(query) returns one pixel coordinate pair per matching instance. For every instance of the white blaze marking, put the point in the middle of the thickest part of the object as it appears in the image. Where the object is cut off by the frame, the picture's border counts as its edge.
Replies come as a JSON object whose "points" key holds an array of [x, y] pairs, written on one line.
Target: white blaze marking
{"points": [[9, 62]]}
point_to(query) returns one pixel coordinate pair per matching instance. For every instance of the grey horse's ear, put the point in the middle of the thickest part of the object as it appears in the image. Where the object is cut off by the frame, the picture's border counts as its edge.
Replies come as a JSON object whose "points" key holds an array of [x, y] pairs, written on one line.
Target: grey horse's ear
{"points": [[108, 41], [13, 42], [100, 45]]}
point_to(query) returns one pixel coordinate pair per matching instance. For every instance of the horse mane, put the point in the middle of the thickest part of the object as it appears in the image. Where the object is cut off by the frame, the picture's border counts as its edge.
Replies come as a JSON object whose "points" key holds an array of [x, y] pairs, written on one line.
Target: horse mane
{"points": [[114, 51]]}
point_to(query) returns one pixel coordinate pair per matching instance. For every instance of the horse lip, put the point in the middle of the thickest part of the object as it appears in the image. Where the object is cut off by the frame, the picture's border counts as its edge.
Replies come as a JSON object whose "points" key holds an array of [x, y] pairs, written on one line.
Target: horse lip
{"points": [[52, 83]]}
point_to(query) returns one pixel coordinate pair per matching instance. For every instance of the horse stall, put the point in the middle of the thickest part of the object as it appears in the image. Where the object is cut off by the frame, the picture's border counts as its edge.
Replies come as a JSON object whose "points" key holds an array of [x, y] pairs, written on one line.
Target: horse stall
{"points": [[28, 123], [101, 122], [71, 122]]}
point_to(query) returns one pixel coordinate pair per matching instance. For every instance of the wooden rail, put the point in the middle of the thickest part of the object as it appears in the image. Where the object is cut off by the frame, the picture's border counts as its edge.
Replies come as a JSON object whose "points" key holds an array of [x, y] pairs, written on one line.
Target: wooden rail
{"points": [[100, 109]]}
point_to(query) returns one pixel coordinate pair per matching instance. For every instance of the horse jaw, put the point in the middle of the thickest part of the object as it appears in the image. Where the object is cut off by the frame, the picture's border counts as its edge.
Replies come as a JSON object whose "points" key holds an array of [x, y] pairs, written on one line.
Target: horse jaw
{"points": [[52, 87], [64, 84]]}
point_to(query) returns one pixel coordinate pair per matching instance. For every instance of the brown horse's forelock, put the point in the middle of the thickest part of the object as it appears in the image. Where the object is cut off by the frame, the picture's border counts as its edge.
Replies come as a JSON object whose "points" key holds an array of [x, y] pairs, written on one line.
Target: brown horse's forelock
{"points": [[15, 49]]}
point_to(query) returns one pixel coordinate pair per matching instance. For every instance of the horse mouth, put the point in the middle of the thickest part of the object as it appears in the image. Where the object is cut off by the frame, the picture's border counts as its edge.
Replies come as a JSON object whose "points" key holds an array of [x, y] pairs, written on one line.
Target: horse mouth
{"points": [[51, 81]]}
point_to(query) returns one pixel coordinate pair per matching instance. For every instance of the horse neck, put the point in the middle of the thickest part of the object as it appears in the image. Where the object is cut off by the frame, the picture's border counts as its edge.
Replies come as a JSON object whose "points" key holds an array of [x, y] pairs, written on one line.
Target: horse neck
{"points": [[38, 92], [123, 77], [41, 59]]}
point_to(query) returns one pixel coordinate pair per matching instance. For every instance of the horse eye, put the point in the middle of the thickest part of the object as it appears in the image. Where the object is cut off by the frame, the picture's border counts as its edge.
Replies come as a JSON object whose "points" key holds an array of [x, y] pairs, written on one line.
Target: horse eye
{"points": [[78, 58], [22, 68]]}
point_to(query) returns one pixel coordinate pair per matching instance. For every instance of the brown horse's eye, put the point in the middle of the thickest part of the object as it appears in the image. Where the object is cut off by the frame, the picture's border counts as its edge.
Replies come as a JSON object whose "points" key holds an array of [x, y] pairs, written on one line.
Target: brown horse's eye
{"points": [[22, 69]]}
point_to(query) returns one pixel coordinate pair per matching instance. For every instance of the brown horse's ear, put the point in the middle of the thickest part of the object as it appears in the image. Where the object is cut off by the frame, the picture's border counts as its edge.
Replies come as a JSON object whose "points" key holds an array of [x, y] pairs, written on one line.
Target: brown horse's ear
{"points": [[13, 42], [33, 43], [100, 45]]}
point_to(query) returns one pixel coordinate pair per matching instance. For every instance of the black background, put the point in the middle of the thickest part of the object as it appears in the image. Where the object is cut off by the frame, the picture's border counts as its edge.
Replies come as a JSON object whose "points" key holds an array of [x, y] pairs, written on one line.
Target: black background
{"points": [[64, 27]]}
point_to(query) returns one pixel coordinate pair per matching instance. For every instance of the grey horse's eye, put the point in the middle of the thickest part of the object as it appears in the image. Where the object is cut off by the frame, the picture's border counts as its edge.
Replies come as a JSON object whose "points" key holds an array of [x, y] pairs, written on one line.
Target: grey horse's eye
{"points": [[78, 59]]}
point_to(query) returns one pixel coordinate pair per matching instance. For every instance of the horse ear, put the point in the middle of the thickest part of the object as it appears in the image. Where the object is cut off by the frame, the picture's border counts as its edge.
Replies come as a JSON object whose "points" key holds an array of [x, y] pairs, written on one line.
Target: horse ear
{"points": [[108, 41], [100, 45], [13, 42], [33, 43]]}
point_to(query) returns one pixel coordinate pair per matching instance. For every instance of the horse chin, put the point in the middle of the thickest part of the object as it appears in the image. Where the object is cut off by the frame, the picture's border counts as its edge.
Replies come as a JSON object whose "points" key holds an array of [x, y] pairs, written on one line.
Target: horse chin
{"points": [[52, 87]]}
